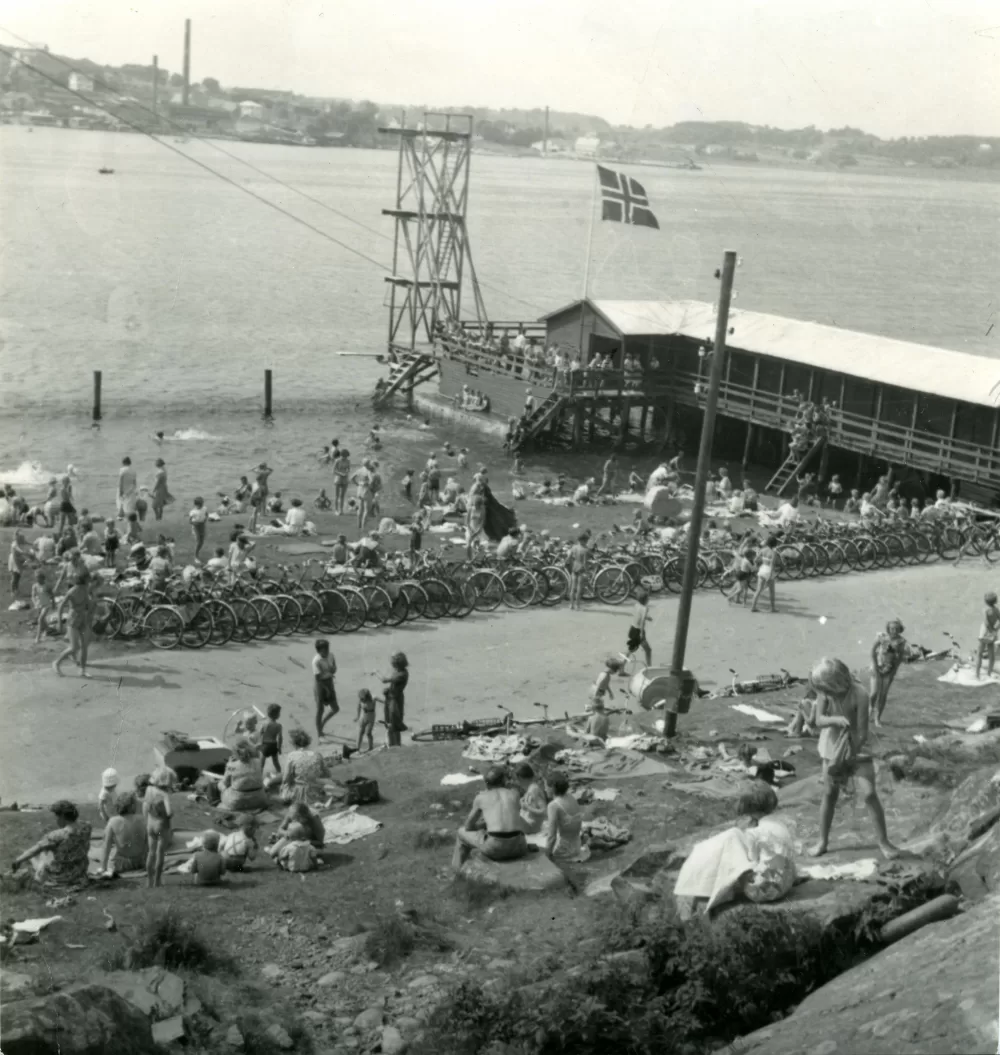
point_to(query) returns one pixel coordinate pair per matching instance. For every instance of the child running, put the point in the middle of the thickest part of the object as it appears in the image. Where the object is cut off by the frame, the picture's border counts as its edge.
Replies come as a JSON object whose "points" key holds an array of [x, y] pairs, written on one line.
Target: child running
{"points": [[42, 600], [637, 631]]}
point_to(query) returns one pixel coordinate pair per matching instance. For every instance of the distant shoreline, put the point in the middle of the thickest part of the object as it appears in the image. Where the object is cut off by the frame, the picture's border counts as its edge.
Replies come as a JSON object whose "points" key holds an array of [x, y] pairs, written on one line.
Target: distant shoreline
{"points": [[703, 163]]}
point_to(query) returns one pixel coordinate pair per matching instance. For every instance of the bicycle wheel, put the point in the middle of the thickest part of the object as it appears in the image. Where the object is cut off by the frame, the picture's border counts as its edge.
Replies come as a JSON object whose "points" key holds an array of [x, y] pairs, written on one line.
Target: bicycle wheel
{"points": [[438, 598], [612, 584], [268, 617], [716, 564], [247, 620], [541, 588], [518, 587], [357, 609], [463, 597], [291, 613], [163, 626], [818, 559], [673, 574], [108, 618], [312, 611], [379, 606], [416, 599], [400, 607], [558, 580], [792, 562], [223, 621], [134, 613], [991, 548], [835, 558], [652, 572], [727, 580], [951, 542], [198, 626], [867, 553], [895, 549], [334, 611], [489, 589]]}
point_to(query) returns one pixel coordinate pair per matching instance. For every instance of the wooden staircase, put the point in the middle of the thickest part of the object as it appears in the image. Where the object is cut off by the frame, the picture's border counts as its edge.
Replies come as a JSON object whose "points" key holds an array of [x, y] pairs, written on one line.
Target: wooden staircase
{"points": [[409, 369], [791, 467], [542, 415]]}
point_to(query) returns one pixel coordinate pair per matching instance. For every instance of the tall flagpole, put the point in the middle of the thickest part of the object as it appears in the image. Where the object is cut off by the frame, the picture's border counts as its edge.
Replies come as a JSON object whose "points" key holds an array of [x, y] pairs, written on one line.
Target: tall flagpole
{"points": [[586, 268]]}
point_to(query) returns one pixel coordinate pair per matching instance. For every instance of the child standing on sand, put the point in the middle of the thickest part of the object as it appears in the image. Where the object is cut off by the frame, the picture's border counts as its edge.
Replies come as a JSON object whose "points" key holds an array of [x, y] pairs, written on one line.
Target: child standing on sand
{"points": [[157, 811], [602, 687], [199, 519], [43, 600], [271, 737], [579, 556], [988, 634], [366, 718], [407, 485], [637, 631]]}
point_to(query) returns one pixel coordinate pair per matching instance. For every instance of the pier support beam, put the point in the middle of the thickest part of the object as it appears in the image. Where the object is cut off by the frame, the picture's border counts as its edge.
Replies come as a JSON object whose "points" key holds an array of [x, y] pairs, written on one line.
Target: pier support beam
{"points": [[97, 395], [643, 417], [267, 393], [578, 427], [748, 445]]}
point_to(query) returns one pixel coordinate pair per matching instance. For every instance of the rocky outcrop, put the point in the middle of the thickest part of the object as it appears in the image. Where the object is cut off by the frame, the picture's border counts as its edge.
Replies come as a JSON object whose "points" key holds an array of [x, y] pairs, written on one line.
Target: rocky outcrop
{"points": [[533, 874], [934, 991], [83, 1020]]}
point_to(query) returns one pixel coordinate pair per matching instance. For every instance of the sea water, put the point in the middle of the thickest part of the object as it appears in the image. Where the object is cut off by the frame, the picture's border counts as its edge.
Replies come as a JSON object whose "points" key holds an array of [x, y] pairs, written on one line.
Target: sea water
{"points": [[183, 289]]}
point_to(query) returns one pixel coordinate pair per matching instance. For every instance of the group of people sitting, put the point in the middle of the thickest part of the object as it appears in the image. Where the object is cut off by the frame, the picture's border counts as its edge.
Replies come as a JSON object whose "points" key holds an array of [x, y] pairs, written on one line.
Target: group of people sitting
{"points": [[514, 806], [472, 399], [811, 423]]}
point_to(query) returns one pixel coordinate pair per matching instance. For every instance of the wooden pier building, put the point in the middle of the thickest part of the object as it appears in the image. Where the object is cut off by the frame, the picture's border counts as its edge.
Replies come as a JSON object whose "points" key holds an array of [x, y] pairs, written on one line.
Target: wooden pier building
{"points": [[914, 407]]}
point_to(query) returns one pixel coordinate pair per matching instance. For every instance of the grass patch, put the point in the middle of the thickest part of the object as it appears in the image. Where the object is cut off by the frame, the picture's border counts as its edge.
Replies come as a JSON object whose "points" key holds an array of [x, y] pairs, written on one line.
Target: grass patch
{"points": [[473, 894], [165, 939], [391, 939], [433, 839]]}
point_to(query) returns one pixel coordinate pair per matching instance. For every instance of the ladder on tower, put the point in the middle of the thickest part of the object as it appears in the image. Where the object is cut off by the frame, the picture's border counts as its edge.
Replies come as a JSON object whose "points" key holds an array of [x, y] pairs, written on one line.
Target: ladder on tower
{"points": [[409, 369], [542, 415], [791, 467]]}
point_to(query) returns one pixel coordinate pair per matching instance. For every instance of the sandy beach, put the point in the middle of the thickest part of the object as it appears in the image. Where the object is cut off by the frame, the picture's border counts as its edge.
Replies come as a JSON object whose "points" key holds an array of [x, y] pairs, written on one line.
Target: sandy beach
{"points": [[459, 669]]}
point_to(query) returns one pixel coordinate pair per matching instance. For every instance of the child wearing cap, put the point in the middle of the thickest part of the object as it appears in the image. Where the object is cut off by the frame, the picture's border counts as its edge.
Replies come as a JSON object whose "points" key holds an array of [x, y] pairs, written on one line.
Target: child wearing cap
{"points": [[106, 799]]}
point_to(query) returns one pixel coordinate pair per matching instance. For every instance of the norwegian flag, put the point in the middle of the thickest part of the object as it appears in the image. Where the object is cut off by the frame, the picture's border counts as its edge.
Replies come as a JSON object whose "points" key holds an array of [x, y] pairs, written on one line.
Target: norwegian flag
{"points": [[624, 200]]}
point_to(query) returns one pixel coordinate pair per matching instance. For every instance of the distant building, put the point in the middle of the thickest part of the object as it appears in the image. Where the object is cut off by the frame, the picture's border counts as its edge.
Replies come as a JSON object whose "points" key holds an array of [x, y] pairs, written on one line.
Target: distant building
{"points": [[80, 82], [215, 103], [249, 108], [985, 147], [587, 146]]}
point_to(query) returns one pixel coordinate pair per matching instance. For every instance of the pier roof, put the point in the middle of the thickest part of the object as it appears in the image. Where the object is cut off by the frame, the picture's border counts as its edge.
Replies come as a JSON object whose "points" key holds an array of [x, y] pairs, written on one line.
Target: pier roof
{"points": [[884, 360]]}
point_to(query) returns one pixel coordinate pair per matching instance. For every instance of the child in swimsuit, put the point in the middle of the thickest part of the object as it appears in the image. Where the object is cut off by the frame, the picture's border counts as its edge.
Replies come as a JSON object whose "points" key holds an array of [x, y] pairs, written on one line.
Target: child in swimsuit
{"points": [[159, 817]]}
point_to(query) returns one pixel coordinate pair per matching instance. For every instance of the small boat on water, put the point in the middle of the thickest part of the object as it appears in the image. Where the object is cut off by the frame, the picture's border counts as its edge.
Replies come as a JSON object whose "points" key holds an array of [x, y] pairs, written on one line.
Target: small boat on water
{"points": [[106, 171]]}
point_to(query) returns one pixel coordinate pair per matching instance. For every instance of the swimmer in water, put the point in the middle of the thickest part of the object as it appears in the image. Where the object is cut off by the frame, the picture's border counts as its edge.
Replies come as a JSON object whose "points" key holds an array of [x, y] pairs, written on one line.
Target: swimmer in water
{"points": [[158, 437]]}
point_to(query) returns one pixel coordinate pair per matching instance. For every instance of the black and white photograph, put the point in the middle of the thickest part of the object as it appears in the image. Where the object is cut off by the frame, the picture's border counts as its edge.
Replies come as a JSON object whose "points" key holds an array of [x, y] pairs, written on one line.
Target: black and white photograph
{"points": [[532, 469]]}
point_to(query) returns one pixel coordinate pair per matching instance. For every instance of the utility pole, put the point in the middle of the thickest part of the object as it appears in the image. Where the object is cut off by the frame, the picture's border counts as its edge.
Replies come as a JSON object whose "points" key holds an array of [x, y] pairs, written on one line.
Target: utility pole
{"points": [[187, 61], [156, 83], [684, 682]]}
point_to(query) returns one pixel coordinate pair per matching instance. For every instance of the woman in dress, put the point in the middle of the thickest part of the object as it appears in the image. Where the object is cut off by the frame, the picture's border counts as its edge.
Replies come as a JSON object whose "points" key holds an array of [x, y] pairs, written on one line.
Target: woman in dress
{"points": [[564, 822], [243, 780], [768, 563], [60, 858], [79, 622], [160, 496], [124, 837], [305, 772], [395, 689], [888, 652]]}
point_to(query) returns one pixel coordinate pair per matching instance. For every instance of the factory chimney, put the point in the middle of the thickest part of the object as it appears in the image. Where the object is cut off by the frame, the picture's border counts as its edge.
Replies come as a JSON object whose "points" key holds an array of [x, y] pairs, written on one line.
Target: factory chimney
{"points": [[187, 60]]}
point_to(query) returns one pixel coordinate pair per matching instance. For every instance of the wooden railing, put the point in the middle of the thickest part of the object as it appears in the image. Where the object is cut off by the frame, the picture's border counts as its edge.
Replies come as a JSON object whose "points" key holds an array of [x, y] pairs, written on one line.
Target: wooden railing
{"points": [[854, 432]]}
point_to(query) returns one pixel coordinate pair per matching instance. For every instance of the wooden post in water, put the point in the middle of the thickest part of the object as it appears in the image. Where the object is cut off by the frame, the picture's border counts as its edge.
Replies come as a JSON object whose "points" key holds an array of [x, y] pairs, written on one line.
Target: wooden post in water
{"points": [[267, 393], [97, 395], [700, 483]]}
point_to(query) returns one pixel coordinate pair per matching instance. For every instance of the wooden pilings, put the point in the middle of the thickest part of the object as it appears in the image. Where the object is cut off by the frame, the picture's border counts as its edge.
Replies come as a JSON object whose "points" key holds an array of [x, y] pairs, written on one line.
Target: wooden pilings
{"points": [[97, 395], [267, 393]]}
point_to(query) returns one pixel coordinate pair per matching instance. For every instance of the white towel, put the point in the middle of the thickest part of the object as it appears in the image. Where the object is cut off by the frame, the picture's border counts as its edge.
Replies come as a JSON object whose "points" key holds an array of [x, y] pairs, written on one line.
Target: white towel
{"points": [[756, 712], [714, 868]]}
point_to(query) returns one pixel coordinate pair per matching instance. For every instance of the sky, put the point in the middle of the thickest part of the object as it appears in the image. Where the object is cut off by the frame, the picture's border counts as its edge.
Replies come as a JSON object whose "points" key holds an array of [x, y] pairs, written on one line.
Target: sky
{"points": [[892, 67]]}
